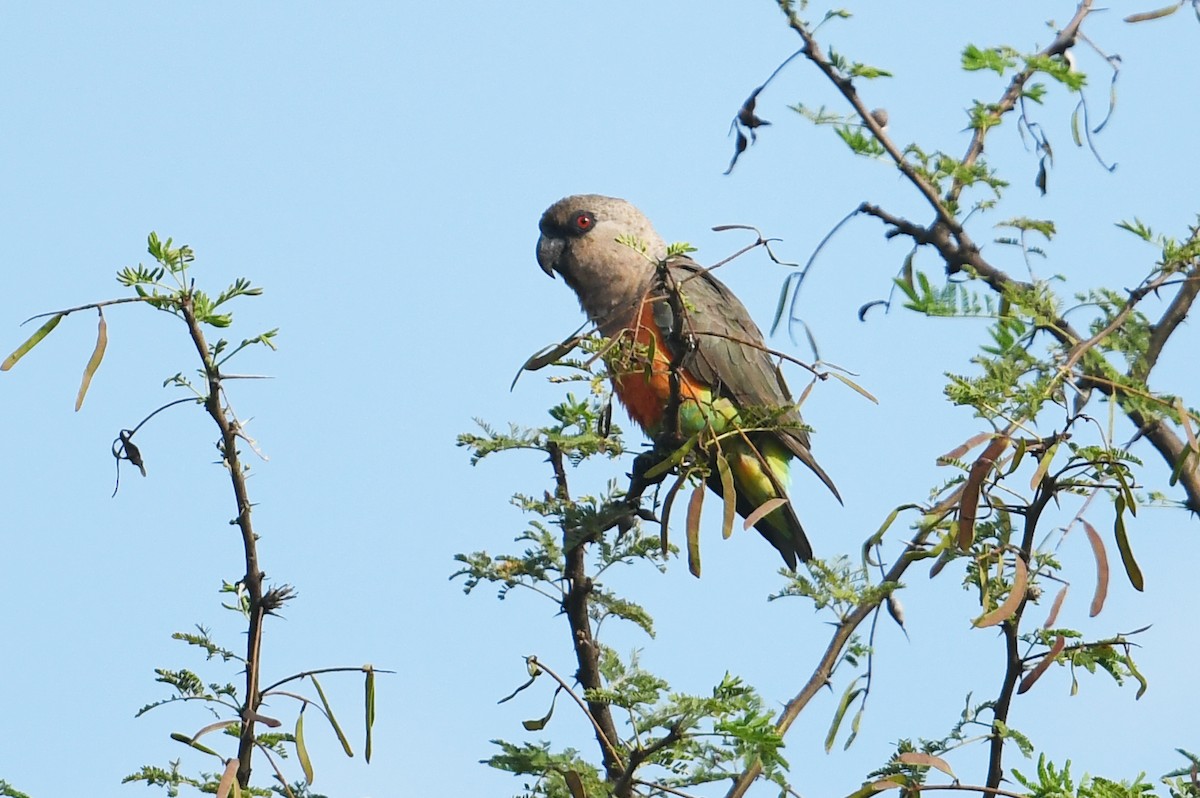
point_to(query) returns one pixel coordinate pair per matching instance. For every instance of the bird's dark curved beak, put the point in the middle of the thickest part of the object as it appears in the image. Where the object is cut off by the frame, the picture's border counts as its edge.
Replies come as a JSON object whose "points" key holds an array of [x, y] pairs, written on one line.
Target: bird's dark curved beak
{"points": [[549, 250]]}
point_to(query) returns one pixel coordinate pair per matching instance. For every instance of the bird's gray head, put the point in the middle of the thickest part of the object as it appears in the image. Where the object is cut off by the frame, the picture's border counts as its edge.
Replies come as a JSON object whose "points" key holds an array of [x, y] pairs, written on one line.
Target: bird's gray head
{"points": [[605, 249]]}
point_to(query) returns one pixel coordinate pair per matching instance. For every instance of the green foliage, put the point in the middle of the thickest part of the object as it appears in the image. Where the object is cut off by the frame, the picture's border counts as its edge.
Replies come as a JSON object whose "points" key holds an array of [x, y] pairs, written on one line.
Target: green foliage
{"points": [[1054, 782], [836, 585], [171, 780], [998, 59], [576, 434], [548, 771], [854, 69], [9, 791], [859, 140], [168, 285]]}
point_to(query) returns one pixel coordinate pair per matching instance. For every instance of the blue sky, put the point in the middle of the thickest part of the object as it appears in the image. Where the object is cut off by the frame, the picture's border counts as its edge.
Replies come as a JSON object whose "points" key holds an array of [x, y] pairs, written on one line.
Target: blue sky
{"points": [[380, 169]]}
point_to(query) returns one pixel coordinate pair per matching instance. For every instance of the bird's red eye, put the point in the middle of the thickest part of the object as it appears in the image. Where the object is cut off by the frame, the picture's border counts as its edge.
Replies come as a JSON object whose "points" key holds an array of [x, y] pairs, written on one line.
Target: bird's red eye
{"points": [[583, 221]]}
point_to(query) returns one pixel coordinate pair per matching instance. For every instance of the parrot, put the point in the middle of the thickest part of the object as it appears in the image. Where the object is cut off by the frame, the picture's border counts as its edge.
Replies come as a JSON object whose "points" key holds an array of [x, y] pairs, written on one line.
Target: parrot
{"points": [[688, 360]]}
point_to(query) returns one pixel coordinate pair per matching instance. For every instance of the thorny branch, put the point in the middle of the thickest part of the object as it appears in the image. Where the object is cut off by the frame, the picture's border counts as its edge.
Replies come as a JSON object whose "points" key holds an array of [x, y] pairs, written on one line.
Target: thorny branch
{"points": [[833, 652], [575, 605], [1014, 666], [947, 236], [253, 580]]}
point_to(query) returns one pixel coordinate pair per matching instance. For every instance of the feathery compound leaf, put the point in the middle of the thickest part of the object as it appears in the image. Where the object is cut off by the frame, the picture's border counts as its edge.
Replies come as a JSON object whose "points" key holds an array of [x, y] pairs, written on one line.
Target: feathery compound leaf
{"points": [[762, 511], [332, 720], [1101, 568], [1131, 566], [1011, 604], [31, 342], [94, 361], [1048, 658], [728, 495], [695, 503], [302, 749]]}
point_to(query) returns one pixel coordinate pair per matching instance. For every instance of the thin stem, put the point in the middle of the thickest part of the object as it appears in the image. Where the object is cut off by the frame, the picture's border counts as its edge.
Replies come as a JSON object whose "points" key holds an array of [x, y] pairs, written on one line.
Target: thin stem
{"points": [[575, 606], [1014, 665], [605, 741], [306, 674], [253, 579], [833, 652]]}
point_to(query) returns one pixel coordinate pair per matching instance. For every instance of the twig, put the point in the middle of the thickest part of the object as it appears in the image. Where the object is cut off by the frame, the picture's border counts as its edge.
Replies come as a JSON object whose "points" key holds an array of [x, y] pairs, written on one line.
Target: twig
{"points": [[1014, 665], [93, 306], [636, 757], [575, 605], [253, 579], [965, 788], [306, 674], [664, 788], [606, 741], [821, 674]]}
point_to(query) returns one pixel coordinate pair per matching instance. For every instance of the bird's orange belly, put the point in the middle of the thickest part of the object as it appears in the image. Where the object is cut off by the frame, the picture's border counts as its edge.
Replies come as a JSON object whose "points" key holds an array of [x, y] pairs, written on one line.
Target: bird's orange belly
{"points": [[642, 374]]}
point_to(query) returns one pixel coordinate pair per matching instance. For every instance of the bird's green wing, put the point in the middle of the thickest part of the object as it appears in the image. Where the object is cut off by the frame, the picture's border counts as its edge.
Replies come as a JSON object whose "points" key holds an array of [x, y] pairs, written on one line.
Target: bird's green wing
{"points": [[728, 353]]}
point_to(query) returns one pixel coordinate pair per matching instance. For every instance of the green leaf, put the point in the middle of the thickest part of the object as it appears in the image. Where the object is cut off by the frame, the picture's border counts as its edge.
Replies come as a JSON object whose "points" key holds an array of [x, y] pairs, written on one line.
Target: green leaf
{"points": [[998, 59], [868, 72], [31, 342]]}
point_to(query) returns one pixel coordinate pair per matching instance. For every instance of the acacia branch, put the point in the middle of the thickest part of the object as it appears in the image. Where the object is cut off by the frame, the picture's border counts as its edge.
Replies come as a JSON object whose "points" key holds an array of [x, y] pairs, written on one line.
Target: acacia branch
{"points": [[253, 579], [575, 606], [605, 741], [624, 785], [1175, 313], [1014, 666], [812, 51], [965, 788], [1172, 317], [1063, 42], [824, 671]]}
